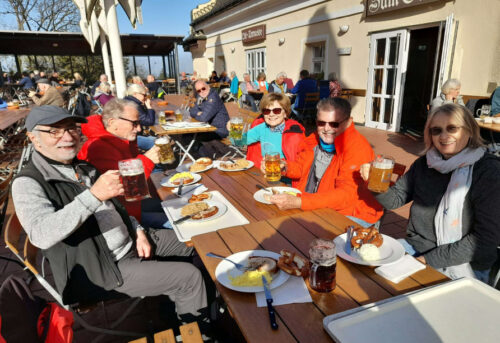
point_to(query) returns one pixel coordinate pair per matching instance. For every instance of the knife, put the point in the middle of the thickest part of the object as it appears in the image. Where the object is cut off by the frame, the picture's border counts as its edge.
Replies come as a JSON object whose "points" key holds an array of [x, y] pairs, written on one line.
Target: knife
{"points": [[190, 190], [264, 188], [347, 246], [180, 220], [180, 186], [269, 300]]}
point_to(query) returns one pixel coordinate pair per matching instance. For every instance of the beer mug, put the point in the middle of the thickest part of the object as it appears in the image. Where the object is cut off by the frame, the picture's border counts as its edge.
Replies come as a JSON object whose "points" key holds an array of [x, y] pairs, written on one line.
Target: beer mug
{"points": [[133, 179], [380, 174], [236, 131], [322, 276], [162, 119], [166, 153], [484, 111], [179, 116], [272, 166]]}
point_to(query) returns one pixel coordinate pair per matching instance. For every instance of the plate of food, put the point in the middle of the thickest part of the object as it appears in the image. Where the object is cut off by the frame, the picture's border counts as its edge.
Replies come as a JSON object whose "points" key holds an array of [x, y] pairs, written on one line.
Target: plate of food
{"points": [[203, 211], [238, 165], [258, 262], [200, 165], [263, 195], [369, 247], [185, 177]]}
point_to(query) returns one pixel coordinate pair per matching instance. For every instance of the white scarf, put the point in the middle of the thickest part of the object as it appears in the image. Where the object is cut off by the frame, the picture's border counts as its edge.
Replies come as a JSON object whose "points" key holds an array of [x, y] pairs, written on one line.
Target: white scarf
{"points": [[448, 219]]}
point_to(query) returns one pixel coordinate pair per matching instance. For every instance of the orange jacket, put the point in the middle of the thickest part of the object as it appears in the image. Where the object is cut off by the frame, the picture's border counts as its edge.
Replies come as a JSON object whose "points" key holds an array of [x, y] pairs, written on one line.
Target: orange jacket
{"points": [[341, 187]]}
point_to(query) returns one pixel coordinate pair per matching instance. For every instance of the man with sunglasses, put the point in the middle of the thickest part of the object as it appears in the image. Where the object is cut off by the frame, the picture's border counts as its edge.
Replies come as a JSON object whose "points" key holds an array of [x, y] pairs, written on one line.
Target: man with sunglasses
{"points": [[112, 137], [209, 108], [326, 169], [94, 248]]}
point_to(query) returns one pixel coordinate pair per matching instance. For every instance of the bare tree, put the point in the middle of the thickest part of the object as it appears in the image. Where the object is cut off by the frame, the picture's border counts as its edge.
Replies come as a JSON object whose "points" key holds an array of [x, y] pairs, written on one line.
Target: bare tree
{"points": [[42, 15]]}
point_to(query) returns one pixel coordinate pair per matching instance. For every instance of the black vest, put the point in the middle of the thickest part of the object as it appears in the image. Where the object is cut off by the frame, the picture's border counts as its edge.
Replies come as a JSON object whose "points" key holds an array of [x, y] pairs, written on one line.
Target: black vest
{"points": [[83, 267]]}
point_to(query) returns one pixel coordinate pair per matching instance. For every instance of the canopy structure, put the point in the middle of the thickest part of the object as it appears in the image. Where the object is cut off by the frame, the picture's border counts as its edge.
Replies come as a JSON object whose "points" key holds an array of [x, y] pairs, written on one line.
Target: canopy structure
{"points": [[29, 43]]}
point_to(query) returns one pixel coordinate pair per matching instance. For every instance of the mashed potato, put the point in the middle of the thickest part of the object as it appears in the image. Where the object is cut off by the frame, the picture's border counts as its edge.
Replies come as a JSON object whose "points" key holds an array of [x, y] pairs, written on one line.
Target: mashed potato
{"points": [[369, 252], [250, 278]]}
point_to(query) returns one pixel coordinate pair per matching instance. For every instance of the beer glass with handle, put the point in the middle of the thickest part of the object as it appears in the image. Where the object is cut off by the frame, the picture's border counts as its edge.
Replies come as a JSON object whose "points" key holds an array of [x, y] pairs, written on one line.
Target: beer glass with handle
{"points": [[380, 174], [133, 179], [322, 276], [166, 153], [272, 166]]}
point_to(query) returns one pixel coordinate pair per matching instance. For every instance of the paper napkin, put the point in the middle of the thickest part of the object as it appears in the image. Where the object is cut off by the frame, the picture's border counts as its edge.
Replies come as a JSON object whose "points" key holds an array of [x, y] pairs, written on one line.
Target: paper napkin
{"points": [[294, 290], [401, 269]]}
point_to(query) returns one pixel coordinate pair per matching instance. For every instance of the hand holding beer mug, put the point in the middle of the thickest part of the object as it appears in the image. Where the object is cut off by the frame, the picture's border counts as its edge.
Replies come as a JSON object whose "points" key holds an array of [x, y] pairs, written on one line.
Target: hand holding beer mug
{"points": [[322, 277], [133, 179], [272, 166], [107, 186], [380, 172], [236, 128], [165, 151]]}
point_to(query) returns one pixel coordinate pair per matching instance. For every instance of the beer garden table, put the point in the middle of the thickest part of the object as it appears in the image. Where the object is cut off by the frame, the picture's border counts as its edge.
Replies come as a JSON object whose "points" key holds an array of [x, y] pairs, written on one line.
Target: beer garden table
{"points": [[492, 127], [273, 229]]}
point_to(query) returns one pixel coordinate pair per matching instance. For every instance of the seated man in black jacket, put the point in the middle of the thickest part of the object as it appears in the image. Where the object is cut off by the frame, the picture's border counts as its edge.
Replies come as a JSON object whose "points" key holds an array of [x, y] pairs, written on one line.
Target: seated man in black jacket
{"points": [[139, 95], [94, 247]]}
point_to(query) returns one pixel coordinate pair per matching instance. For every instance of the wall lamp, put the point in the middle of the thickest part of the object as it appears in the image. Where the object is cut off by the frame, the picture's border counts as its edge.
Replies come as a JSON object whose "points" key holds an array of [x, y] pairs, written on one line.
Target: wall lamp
{"points": [[344, 28], [281, 41], [232, 50]]}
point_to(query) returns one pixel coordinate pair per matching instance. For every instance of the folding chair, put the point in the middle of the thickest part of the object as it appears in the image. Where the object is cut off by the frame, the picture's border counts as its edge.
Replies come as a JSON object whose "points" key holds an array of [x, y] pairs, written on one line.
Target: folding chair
{"points": [[12, 239]]}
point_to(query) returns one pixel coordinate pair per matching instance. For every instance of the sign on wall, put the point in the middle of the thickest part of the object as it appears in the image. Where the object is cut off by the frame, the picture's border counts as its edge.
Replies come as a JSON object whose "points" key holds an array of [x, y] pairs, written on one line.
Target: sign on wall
{"points": [[253, 34], [374, 7]]}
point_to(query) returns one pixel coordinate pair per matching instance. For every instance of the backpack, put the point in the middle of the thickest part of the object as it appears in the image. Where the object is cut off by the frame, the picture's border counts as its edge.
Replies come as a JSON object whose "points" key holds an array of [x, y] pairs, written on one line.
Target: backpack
{"points": [[28, 318], [83, 105]]}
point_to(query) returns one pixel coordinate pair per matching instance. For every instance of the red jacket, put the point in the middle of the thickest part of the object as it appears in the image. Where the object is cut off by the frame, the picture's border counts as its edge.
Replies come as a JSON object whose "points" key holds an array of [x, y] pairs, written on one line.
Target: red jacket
{"points": [[293, 135], [341, 187], [104, 150]]}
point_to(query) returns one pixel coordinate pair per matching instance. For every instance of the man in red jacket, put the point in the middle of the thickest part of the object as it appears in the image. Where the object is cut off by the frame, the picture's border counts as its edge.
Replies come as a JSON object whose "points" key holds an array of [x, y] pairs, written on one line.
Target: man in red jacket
{"points": [[327, 167], [112, 137]]}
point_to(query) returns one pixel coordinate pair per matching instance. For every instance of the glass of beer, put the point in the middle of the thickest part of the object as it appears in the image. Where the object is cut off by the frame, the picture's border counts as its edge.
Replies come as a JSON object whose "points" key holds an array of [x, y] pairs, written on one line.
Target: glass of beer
{"points": [[166, 152], [322, 276], [380, 174], [272, 166], [236, 131], [162, 119], [133, 179], [179, 116]]}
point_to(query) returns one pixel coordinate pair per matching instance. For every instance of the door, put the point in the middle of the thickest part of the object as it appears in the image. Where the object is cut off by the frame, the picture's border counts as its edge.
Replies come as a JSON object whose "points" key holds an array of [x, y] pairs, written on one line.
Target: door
{"points": [[388, 57], [256, 62]]}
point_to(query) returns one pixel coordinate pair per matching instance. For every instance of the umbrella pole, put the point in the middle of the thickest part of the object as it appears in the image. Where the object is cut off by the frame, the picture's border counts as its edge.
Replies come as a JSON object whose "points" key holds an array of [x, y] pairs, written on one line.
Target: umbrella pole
{"points": [[115, 46], [105, 55]]}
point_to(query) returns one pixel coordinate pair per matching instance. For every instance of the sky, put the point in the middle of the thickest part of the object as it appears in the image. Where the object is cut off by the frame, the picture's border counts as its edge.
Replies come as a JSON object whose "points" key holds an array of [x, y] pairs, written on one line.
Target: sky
{"points": [[164, 17]]}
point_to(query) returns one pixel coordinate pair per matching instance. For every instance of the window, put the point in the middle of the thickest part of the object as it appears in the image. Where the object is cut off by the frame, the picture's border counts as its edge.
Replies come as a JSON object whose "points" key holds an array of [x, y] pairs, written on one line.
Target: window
{"points": [[318, 59], [256, 62]]}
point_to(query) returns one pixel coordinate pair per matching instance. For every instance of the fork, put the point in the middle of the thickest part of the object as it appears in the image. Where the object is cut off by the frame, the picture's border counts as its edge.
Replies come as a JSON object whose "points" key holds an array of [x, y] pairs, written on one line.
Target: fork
{"points": [[238, 265]]}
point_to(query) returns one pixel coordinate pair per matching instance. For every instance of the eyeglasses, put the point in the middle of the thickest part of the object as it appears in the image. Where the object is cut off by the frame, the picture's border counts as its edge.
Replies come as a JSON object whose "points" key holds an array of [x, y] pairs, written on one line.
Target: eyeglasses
{"points": [[201, 89], [134, 122], [59, 131], [436, 131], [334, 124], [276, 110]]}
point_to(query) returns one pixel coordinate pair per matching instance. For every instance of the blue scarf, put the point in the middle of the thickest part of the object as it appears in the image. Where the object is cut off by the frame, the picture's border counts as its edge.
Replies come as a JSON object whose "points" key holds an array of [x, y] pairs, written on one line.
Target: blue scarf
{"points": [[330, 148]]}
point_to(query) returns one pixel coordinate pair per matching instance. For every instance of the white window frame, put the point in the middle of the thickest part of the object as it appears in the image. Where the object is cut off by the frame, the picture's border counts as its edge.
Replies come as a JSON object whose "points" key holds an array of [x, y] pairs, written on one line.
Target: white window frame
{"points": [[320, 59], [308, 42], [255, 62]]}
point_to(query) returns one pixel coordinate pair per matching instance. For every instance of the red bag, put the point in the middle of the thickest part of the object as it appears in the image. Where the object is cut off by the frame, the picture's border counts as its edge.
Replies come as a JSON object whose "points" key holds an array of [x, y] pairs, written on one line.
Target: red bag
{"points": [[55, 324], [2, 340]]}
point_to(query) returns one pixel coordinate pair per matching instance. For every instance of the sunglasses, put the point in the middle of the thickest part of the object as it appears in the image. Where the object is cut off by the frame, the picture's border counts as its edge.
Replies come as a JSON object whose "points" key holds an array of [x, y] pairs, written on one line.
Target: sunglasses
{"points": [[436, 131], [276, 110], [134, 122], [334, 124], [201, 89]]}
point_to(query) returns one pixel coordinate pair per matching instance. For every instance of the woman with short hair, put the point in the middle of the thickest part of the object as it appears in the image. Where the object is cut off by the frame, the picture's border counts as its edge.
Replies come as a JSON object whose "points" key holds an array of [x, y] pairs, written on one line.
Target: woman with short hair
{"points": [[450, 93], [103, 93], [455, 189]]}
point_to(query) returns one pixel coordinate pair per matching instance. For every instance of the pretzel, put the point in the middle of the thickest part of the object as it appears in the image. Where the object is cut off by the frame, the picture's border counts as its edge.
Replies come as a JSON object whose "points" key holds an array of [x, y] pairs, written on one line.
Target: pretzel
{"points": [[366, 235], [199, 197], [293, 264]]}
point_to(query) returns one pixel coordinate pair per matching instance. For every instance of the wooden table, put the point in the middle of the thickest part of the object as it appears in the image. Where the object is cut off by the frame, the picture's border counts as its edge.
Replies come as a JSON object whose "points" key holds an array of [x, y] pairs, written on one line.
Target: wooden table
{"points": [[492, 127], [9, 117], [356, 284], [237, 187]]}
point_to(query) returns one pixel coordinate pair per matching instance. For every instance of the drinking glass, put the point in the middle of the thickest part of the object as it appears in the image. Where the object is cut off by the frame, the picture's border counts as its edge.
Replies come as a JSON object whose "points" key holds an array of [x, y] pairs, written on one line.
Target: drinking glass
{"points": [[236, 131], [133, 179], [166, 152], [380, 174], [162, 119], [272, 166], [322, 277]]}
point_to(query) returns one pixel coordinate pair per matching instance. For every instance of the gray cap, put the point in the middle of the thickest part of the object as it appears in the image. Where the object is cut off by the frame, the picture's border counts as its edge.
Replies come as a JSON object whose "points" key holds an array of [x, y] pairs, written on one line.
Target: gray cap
{"points": [[47, 115], [43, 80]]}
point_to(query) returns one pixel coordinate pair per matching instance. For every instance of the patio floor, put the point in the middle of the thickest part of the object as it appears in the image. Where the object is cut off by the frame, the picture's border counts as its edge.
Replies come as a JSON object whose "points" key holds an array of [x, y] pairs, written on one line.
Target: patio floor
{"points": [[404, 148]]}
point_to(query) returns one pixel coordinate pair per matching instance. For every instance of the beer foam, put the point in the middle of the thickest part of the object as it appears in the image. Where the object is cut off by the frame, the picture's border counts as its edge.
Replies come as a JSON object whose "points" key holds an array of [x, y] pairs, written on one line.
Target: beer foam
{"points": [[131, 172], [383, 164], [162, 140]]}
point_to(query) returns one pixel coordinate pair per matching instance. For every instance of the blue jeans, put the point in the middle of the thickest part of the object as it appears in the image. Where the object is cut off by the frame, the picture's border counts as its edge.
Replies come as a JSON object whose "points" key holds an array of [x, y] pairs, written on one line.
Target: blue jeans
{"points": [[364, 223], [152, 214], [145, 143]]}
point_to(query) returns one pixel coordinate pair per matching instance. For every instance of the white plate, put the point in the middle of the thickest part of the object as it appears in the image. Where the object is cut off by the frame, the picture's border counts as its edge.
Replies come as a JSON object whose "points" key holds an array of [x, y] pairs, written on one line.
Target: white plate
{"points": [[166, 183], [390, 251], [225, 267], [259, 195], [234, 170], [176, 212], [179, 124], [199, 171]]}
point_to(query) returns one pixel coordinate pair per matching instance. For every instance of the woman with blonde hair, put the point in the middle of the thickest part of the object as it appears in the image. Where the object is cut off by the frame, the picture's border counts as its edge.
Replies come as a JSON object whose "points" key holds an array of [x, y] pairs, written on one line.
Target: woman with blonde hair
{"points": [[103, 93], [78, 82], [455, 191]]}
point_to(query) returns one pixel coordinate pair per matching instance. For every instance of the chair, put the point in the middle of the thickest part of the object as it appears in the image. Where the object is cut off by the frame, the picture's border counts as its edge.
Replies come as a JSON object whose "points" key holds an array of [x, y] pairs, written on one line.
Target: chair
{"points": [[248, 118], [190, 333], [308, 111], [29, 261]]}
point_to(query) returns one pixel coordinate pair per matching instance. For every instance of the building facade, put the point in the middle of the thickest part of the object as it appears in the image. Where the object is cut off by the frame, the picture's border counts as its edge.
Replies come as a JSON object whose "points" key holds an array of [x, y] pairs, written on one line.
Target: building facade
{"points": [[393, 55]]}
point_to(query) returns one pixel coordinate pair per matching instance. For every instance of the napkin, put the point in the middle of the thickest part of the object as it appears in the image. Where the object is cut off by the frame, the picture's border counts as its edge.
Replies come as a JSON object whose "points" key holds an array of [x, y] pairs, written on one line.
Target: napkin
{"points": [[191, 189], [294, 290], [401, 269]]}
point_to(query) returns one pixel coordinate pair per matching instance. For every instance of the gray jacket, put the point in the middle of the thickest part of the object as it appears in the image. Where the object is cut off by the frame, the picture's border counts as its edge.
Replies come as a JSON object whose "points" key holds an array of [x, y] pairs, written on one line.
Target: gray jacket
{"points": [[481, 233]]}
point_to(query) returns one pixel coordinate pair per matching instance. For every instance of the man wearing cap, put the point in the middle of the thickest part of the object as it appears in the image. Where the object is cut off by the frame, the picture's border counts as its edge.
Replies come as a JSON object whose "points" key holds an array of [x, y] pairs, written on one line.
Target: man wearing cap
{"points": [[70, 212], [50, 95]]}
